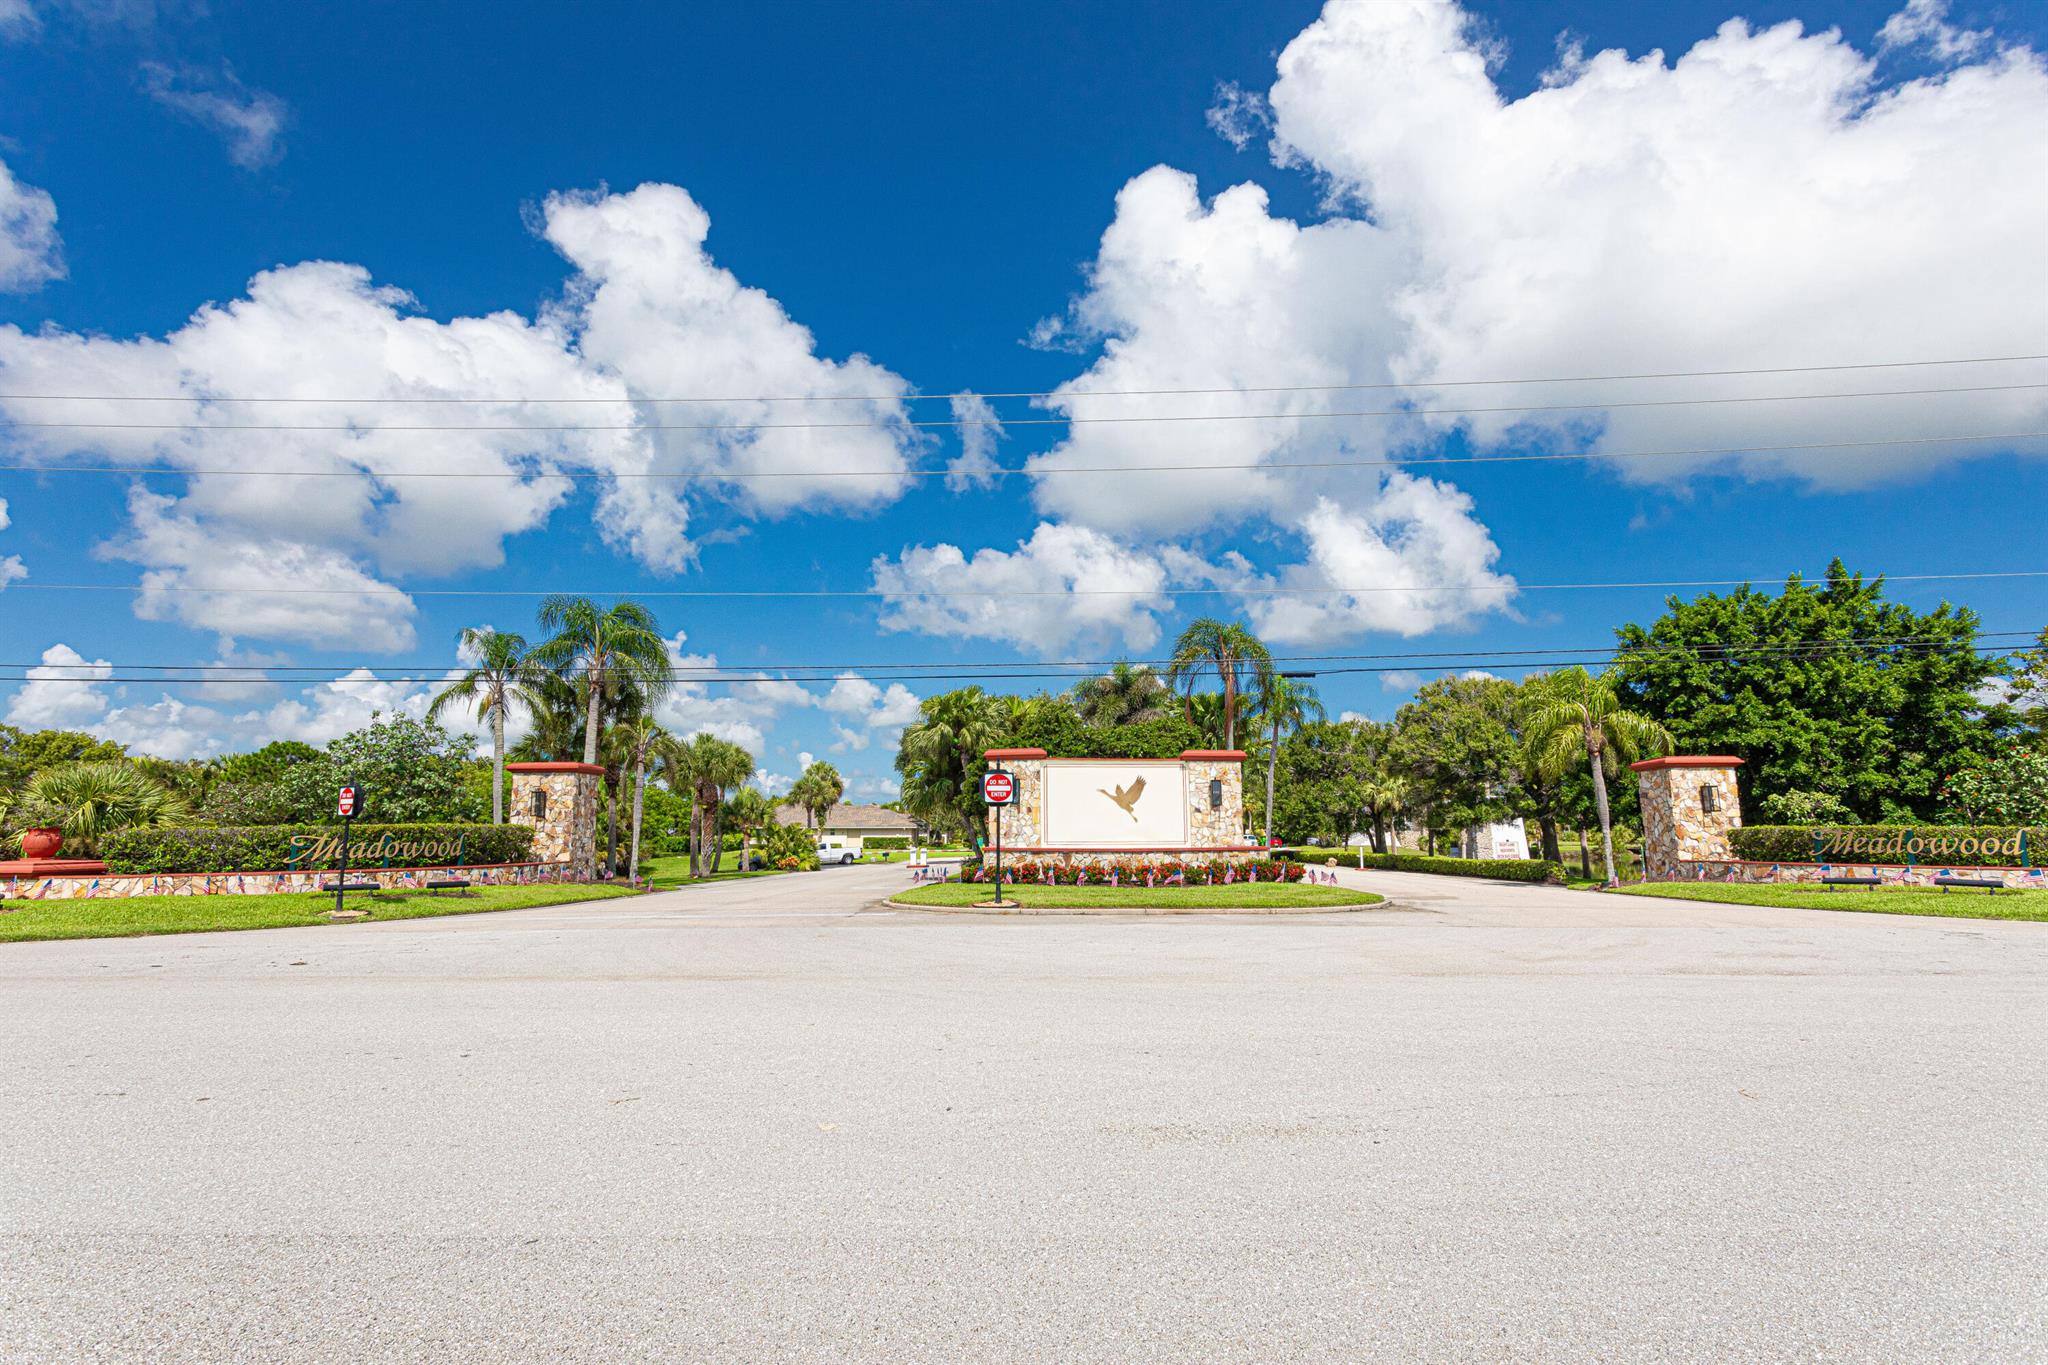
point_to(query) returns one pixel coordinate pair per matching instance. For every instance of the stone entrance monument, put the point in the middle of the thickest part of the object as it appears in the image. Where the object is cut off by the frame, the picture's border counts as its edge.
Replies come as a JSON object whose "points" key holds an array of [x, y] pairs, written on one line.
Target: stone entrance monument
{"points": [[1689, 805], [1151, 810], [560, 801]]}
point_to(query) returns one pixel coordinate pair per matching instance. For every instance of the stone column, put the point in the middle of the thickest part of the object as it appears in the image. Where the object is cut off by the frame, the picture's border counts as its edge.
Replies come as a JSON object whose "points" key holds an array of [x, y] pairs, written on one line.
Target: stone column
{"points": [[559, 800], [1024, 818], [1215, 825], [1689, 805]]}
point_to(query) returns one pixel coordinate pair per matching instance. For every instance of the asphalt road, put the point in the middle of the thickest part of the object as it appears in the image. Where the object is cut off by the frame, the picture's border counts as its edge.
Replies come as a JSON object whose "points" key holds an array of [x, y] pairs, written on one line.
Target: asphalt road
{"points": [[764, 1121]]}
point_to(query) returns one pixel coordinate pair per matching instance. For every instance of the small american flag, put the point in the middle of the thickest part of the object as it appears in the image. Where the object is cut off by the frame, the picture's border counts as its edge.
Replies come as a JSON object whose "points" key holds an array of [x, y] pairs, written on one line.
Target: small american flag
{"points": [[1148, 878], [1229, 875], [1179, 878]]}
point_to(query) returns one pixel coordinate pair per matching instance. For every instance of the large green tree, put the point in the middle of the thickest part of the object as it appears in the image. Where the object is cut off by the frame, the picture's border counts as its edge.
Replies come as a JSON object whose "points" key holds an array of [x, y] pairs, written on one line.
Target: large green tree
{"points": [[1285, 705], [1456, 744], [411, 771], [940, 759], [1822, 687], [1127, 694]]}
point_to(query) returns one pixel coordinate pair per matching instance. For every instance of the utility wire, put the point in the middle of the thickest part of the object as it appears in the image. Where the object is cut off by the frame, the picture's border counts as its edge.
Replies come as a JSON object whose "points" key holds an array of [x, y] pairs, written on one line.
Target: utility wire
{"points": [[22, 585], [1032, 393], [896, 423], [826, 672], [998, 471]]}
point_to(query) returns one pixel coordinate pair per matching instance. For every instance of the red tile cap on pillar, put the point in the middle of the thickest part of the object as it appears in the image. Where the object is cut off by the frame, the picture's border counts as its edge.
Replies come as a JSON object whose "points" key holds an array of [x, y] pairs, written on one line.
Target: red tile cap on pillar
{"points": [[1013, 753], [1687, 761], [554, 768], [1213, 753]]}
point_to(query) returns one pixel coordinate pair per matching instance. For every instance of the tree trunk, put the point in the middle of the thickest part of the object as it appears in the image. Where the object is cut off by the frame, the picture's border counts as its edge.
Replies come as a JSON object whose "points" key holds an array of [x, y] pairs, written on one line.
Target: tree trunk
{"points": [[1552, 850], [1585, 855], [717, 835], [1379, 833], [1272, 765], [1606, 825], [696, 837], [639, 798], [592, 723], [498, 765], [1229, 707], [611, 838]]}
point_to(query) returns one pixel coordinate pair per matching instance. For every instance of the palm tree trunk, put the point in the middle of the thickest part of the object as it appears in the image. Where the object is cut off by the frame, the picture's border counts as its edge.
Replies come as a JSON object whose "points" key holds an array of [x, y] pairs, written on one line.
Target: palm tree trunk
{"points": [[1600, 804], [1585, 855], [696, 835], [611, 838], [717, 838], [639, 799], [591, 722], [1272, 765], [498, 765], [1229, 708], [1548, 825]]}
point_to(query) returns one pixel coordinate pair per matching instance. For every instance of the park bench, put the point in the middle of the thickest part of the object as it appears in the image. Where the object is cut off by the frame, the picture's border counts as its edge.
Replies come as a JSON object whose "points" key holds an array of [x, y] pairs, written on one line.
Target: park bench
{"points": [[1832, 882], [352, 886], [1992, 884], [440, 884]]}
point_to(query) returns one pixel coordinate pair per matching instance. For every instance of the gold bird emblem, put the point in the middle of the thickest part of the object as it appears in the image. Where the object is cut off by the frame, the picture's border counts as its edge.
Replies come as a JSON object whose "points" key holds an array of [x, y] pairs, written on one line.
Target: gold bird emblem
{"points": [[1127, 797]]}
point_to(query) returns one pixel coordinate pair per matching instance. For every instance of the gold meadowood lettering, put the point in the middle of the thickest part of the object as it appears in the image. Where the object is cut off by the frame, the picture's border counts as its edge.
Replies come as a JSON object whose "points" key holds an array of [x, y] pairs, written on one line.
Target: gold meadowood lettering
{"points": [[1902, 847], [317, 848]]}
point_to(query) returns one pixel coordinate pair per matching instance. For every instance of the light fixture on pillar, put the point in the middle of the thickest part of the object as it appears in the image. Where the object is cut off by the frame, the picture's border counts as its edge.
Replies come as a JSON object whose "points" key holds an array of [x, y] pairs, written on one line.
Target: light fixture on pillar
{"points": [[1215, 793], [1708, 801], [540, 803]]}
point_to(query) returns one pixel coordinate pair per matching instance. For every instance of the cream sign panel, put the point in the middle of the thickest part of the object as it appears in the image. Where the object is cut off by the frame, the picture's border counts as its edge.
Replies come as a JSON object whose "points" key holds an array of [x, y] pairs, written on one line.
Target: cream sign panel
{"points": [[1115, 805]]}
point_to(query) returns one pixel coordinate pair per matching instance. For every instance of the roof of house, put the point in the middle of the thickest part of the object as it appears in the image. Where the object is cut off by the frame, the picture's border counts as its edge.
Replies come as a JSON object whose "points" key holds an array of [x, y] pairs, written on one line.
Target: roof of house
{"points": [[850, 816]]}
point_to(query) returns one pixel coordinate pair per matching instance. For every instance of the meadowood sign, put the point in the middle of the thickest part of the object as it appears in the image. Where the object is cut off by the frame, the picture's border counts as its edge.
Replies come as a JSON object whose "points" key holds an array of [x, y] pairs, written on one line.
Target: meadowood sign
{"points": [[1911, 846], [319, 848]]}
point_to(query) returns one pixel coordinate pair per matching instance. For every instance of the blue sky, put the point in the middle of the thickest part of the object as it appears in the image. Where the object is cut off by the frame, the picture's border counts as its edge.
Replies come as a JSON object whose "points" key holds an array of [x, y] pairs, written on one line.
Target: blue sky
{"points": [[1383, 194]]}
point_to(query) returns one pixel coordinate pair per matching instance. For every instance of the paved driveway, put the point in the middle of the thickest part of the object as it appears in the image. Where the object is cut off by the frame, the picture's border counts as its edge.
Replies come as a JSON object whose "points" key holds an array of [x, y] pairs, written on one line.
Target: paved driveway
{"points": [[763, 1121]]}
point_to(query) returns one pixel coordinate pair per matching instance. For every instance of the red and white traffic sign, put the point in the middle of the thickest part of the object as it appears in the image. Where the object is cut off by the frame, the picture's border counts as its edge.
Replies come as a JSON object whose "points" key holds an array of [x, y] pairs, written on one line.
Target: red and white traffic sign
{"points": [[345, 805], [998, 788]]}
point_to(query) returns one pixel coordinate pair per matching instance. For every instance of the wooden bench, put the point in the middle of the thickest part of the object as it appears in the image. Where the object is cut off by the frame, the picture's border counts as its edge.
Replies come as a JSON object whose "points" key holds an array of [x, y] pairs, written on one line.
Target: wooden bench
{"points": [[352, 886], [1991, 884], [1832, 882], [447, 884]]}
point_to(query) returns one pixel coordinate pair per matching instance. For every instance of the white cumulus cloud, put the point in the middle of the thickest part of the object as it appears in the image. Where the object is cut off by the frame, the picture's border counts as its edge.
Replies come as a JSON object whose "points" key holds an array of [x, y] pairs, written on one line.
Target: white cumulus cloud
{"points": [[31, 253]]}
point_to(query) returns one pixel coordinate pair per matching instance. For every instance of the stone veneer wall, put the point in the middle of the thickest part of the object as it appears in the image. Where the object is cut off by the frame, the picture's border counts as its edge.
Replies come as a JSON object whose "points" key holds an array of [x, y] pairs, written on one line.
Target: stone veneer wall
{"points": [[1677, 830], [1217, 833], [568, 832], [1888, 874], [115, 886]]}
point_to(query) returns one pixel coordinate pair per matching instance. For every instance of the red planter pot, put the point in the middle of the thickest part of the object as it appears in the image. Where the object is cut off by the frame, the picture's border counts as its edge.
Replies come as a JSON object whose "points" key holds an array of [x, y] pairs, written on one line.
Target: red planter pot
{"points": [[41, 843]]}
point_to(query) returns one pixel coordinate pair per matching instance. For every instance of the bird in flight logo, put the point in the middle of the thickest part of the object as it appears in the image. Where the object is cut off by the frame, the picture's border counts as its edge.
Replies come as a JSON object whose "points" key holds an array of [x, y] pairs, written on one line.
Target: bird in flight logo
{"points": [[1127, 797]]}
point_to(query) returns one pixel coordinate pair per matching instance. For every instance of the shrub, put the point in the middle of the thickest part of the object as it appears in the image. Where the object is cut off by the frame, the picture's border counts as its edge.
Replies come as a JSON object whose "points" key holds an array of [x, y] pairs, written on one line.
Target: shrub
{"points": [[2010, 786], [884, 841], [1501, 869], [271, 848], [1132, 872], [785, 842], [1951, 845], [1805, 808], [91, 801]]}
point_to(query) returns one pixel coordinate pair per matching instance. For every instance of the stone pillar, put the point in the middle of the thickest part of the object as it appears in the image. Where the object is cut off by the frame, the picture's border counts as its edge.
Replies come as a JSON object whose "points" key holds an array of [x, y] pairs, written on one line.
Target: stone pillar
{"points": [[1023, 818], [559, 800], [1212, 825], [1689, 805]]}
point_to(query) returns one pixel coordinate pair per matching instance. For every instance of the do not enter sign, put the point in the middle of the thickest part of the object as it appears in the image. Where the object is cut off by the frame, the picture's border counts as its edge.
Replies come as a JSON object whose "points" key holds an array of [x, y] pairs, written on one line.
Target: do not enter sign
{"points": [[998, 788], [347, 803]]}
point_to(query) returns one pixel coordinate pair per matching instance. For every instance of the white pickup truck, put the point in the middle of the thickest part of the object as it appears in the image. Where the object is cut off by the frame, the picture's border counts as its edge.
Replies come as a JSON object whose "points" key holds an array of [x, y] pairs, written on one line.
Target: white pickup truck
{"points": [[835, 848]]}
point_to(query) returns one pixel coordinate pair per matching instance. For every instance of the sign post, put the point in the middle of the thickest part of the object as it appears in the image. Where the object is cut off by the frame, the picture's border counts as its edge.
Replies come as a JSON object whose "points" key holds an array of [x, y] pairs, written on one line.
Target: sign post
{"points": [[999, 789], [346, 804]]}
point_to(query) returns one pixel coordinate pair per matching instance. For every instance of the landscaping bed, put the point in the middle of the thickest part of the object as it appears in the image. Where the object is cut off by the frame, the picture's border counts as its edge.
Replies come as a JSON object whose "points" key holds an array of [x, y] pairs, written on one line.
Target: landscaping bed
{"points": [[1958, 904], [1190, 899], [124, 917]]}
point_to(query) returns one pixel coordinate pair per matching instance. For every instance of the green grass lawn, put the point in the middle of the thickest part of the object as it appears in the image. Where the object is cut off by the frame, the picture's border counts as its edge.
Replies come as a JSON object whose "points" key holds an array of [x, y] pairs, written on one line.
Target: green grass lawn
{"points": [[1238, 897], [2027, 905], [666, 874], [109, 918]]}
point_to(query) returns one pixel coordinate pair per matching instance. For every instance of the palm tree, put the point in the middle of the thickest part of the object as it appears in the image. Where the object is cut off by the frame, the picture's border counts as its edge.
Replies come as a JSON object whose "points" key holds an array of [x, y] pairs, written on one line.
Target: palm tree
{"points": [[940, 758], [1576, 713], [817, 791], [492, 685], [1126, 695], [1384, 798], [554, 706], [1231, 652], [89, 799], [634, 740], [748, 810], [604, 651], [709, 765], [1288, 703]]}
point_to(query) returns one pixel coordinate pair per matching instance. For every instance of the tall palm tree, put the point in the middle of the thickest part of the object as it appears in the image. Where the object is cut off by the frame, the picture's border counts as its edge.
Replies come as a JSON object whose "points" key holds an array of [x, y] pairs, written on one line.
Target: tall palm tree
{"points": [[639, 739], [817, 791], [495, 683], [1230, 651], [1385, 797], [1288, 703], [605, 651], [1578, 714], [710, 766], [1126, 695], [748, 810]]}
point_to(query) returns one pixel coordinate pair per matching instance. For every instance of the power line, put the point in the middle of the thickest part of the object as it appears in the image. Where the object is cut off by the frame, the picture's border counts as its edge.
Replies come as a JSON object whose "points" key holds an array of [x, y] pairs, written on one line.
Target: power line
{"points": [[1240, 591], [826, 672], [1031, 393], [361, 429], [998, 471]]}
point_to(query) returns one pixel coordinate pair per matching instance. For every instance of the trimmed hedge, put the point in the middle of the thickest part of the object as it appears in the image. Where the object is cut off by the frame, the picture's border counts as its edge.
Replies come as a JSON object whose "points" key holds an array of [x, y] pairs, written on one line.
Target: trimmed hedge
{"points": [[886, 841], [272, 848], [1948, 845], [1502, 869]]}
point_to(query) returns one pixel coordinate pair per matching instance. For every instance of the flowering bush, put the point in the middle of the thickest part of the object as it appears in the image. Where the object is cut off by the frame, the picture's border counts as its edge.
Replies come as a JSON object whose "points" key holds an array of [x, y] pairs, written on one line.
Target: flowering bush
{"points": [[2009, 787], [1133, 872]]}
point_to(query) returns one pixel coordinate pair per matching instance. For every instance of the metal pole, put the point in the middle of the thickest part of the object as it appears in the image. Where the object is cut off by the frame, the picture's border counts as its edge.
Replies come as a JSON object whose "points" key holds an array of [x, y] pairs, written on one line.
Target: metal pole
{"points": [[999, 853], [342, 876]]}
